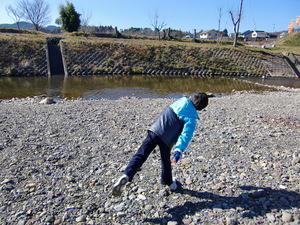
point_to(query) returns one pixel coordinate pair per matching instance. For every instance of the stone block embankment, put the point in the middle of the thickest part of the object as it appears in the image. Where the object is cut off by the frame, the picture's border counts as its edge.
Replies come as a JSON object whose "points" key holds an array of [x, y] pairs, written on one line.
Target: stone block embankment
{"points": [[22, 58], [115, 58], [28, 58]]}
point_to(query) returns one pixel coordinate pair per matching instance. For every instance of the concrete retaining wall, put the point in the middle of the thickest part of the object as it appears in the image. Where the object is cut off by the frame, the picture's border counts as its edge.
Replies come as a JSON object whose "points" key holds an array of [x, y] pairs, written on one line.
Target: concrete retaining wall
{"points": [[24, 58], [85, 60]]}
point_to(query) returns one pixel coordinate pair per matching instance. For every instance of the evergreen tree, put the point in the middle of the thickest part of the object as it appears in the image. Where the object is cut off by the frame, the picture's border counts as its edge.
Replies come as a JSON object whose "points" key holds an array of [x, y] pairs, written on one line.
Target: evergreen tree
{"points": [[69, 18]]}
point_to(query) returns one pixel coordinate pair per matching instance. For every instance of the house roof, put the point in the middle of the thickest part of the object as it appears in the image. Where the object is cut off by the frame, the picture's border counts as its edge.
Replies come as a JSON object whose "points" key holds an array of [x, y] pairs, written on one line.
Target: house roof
{"points": [[208, 31], [259, 31], [247, 32]]}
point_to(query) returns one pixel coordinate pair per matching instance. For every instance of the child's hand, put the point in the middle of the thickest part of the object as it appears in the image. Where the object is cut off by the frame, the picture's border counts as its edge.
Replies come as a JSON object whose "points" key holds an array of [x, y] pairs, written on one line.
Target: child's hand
{"points": [[177, 155], [174, 161]]}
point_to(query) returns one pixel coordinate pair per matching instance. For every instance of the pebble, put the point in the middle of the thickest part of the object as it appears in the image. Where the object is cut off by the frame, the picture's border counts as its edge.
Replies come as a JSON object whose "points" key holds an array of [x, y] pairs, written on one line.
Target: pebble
{"points": [[271, 218], [120, 207], [172, 223], [286, 217], [81, 219], [148, 207], [141, 197], [59, 162], [231, 221]]}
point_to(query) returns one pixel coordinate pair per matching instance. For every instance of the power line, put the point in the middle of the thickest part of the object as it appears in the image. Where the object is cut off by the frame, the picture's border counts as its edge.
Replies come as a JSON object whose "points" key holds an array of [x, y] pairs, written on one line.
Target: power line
{"points": [[252, 14]]}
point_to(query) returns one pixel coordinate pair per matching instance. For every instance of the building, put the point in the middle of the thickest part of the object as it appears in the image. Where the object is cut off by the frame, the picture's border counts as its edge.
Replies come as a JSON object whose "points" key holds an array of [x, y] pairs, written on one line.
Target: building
{"points": [[247, 35], [259, 34], [210, 34], [282, 34], [189, 36]]}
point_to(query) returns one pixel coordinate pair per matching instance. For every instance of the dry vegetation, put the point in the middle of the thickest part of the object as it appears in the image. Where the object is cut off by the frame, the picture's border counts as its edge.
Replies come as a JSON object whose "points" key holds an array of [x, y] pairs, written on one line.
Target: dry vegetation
{"points": [[136, 54], [289, 42]]}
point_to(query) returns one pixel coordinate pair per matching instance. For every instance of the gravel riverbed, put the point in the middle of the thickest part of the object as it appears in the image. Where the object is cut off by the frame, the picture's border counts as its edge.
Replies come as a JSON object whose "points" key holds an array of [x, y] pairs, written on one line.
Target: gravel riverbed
{"points": [[59, 161]]}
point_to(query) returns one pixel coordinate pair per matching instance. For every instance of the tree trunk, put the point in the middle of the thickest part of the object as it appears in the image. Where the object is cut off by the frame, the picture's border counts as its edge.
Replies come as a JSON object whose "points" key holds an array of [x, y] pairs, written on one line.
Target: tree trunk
{"points": [[235, 39], [158, 32], [238, 24]]}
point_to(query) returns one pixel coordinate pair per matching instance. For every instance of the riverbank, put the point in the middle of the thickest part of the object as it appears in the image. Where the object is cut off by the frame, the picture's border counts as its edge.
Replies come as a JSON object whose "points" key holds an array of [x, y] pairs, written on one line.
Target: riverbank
{"points": [[79, 54], [59, 162]]}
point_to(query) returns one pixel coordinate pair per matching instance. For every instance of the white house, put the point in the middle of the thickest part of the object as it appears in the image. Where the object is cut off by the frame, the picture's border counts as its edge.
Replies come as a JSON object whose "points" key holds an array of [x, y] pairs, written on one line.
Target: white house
{"points": [[210, 34], [282, 34], [189, 36], [259, 34], [246, 35]]}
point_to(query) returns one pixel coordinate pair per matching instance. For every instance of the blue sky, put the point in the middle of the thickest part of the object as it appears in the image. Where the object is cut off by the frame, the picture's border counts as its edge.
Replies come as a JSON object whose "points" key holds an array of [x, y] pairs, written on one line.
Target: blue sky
{"points": [[185, 15]]}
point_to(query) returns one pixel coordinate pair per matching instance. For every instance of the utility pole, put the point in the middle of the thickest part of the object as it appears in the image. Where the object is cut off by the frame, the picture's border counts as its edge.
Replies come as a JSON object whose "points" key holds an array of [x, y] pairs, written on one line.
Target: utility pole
{"points": [[219, 21]]}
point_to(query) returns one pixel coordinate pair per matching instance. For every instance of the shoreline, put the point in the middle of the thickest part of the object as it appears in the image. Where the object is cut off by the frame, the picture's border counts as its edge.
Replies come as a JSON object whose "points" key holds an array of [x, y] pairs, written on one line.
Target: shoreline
{"points": [[36, 99], [59, 162]]}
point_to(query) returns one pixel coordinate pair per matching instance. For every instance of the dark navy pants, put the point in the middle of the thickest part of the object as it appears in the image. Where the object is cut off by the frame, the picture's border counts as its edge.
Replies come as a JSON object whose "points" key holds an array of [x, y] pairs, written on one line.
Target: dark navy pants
{"points": [[148, 145]]}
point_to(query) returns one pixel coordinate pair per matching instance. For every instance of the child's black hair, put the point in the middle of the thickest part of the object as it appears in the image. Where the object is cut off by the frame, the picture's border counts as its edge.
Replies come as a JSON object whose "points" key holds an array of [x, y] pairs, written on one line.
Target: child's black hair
{"points": [[200, 100]]}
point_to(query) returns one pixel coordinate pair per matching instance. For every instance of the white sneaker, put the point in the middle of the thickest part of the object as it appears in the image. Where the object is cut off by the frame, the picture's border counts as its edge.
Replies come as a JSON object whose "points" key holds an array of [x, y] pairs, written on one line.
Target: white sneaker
{"points": [[117, 189], [173, 186]]}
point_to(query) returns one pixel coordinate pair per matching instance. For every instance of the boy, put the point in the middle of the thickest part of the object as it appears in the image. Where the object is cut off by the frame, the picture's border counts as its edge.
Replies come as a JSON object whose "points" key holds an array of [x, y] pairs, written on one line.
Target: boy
{"points": [[175, 126]]}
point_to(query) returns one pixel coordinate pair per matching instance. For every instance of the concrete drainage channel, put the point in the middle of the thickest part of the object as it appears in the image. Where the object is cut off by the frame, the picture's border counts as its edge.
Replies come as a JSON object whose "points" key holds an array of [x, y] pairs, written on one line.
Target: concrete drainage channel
{"points": [[55, 61]]}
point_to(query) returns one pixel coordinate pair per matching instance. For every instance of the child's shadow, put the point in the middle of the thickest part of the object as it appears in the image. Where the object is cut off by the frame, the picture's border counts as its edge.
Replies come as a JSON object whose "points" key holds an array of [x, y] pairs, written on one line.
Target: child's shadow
{"points": [[255, 201]]}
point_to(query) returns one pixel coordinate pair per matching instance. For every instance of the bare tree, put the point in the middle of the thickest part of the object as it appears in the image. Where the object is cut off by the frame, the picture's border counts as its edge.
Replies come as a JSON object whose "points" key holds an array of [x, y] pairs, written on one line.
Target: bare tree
{"points": [[85, 19], [156, 22], [36, 11], [236, 23], [15, 14]]}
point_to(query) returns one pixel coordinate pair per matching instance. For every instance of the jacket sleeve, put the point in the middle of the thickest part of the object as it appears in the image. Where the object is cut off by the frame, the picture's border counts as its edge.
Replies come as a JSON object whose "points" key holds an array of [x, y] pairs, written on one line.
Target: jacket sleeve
{"points": [[186, 133]]}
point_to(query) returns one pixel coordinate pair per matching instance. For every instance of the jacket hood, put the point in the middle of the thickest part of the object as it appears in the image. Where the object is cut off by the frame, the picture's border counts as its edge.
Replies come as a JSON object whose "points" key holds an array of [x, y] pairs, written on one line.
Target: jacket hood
{"points": [[184, 107]]}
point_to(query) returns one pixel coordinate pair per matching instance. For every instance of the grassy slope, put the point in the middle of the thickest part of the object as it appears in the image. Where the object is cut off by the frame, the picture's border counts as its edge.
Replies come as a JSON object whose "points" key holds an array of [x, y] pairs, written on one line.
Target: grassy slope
{"points": [[291, 42], [158, 49]]}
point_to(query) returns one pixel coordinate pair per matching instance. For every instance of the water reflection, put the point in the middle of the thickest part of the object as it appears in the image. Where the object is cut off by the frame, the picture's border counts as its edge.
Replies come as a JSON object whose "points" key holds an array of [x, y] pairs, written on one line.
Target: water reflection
{"points": [[93, 87]]}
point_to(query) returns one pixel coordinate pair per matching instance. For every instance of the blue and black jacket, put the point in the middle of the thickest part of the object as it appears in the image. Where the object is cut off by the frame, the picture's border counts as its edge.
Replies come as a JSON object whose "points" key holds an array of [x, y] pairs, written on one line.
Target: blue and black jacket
{"points": [[176, 124]]}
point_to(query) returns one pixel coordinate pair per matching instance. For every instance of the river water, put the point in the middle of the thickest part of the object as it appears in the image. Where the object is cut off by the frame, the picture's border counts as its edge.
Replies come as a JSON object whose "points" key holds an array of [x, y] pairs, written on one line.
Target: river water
{"points": [[94, 87]]}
